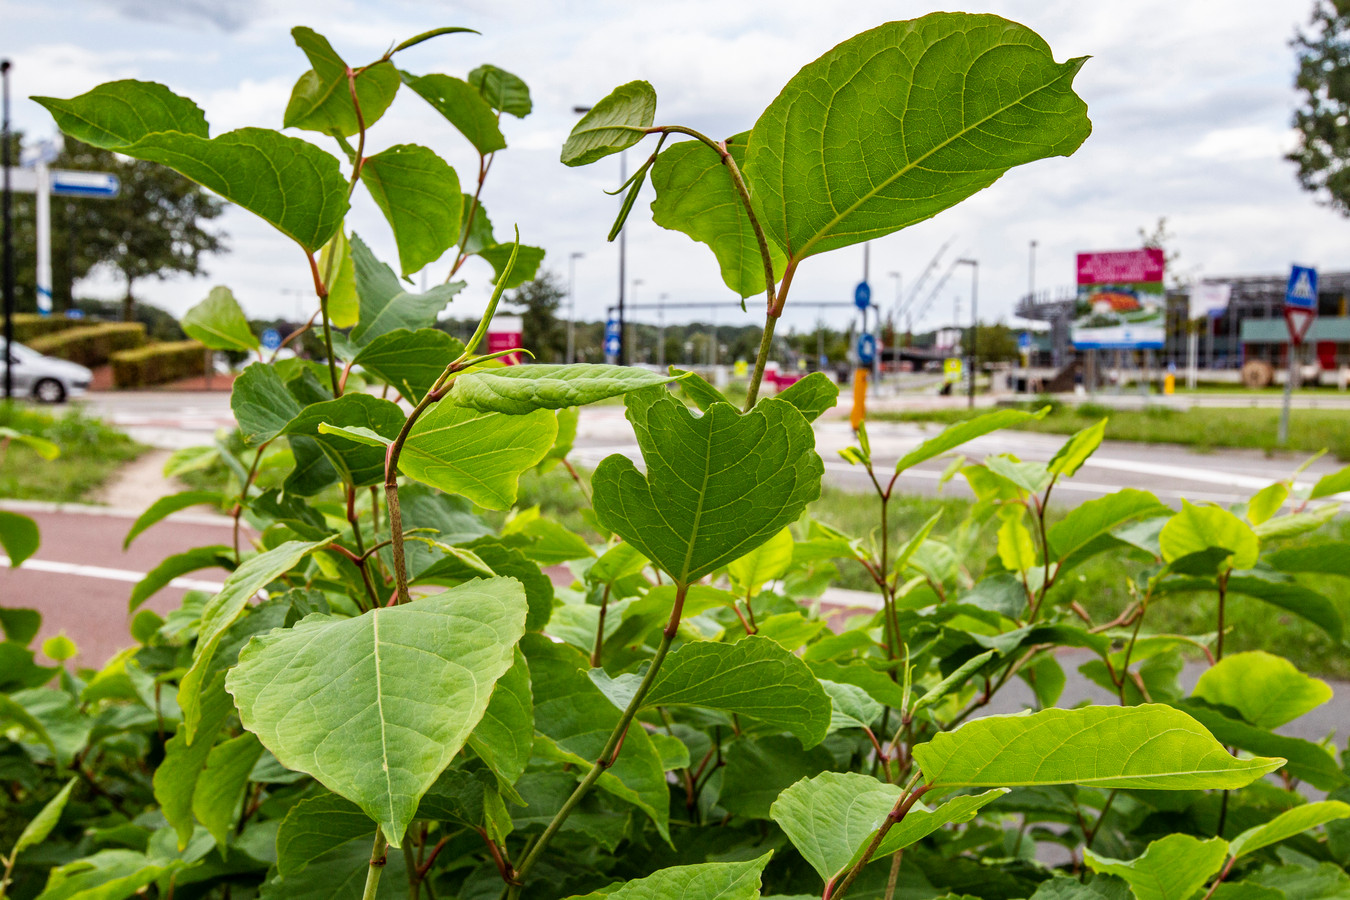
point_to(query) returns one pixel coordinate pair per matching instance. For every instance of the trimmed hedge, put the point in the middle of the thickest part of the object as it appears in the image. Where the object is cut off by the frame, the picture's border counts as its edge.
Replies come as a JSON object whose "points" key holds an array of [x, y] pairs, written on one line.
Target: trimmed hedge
{"points": [[28, 327], [91, 345], [158, 364]]}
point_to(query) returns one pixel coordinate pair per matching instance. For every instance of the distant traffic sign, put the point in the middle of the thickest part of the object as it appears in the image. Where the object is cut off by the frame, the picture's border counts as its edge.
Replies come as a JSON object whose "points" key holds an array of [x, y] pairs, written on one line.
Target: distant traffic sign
{"points": [[867, 349], [271, 339], [1302, 290], [862, 295], [612, 339], [67, 183], [1024, 341], [951, 370]]}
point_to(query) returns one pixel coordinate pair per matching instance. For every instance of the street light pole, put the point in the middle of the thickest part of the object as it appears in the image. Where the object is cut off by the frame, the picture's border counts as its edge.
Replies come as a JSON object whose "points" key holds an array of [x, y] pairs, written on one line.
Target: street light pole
{"points": [[623, 341], [974, 325], [7, 216], [572, 306], [661, 331], [623, 177]]}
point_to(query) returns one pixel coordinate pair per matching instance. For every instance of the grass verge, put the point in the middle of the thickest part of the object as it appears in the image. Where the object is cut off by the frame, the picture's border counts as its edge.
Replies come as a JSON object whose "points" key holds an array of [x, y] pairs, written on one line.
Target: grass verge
{"points": [[91, 451]]}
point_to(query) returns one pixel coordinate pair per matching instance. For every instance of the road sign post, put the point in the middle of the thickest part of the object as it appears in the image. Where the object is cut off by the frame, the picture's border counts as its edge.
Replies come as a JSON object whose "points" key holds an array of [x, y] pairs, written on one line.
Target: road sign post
{"points": [[1300, 308]]}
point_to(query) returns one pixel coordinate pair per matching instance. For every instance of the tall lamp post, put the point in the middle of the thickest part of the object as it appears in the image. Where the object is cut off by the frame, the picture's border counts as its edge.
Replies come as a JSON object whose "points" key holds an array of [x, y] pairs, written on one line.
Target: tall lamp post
{"points": [[974, 325], [623, 177], [572, 306], [661, 331], [896, 276], [637, 283], [7, 214]]}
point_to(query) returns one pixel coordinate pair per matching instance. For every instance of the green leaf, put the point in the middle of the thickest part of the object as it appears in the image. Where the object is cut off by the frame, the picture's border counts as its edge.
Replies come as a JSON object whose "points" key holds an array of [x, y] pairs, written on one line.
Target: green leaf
{"points": [[1151, 747], [1306, 761], [219, 796], [813, 395], [702, 881], [762, 464], [517, 390], [428, 35], [479, 455], [1016, 549], [219, 323], [852, 706], [697, 390], [1335, 483], [1287, 824], [419, 195], [19, 626], [13, 711], [357, 462], [954, 681], [528, 260], [1295, 524], [502, 90], [695, 195], [958, 434], [1088, 521], [386, 305], [1069, 458], [504, 738], [1331, 558], [1199, 528], [105, 875], [36, 831], [167, 506], [290, 183], [615, 123], [119, 113], [176, 566], [339, 872], [339, 277], [767, 562], [832, 818], [900, 122], [571, 711], [410, 361], [18, 536], [175, 779], [1297, 599], [59, 648], [1267, 690], [753, 677], [315, 825], [348, 700], [222, 610], [322, 100], [464, 107], [41, 446], [551, 544], [1267, 502], [1172, 868], [262, 404]]}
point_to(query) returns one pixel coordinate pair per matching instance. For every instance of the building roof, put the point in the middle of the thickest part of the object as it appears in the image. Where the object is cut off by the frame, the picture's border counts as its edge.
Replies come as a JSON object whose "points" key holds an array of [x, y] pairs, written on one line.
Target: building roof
{"points": [[1274, 331]]}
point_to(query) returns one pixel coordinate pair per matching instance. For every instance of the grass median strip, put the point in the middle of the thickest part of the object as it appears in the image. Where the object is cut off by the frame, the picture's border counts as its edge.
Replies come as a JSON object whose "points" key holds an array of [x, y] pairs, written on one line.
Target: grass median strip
{"points": [[91, 451]]}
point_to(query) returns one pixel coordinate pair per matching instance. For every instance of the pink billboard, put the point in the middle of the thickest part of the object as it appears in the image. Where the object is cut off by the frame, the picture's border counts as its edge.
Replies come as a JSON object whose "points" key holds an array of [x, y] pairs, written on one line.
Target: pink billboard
{"points": [[1121, 301], [1121, 266]]}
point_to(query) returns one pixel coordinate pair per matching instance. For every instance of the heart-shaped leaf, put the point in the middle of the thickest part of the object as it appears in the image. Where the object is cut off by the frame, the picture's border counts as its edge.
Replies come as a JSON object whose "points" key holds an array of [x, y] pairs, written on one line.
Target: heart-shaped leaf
{"points": [[386, 305], [716, 487], [615, 123], [358, 462], [1268, 690], [322, 100], [410, 361], [463, 105], [503, 91], [375, 707], [120, 113], [1172, 868], [262, 404], [1199, 528], [419, 195], [900, 122], [219, 323], [479, 455]]}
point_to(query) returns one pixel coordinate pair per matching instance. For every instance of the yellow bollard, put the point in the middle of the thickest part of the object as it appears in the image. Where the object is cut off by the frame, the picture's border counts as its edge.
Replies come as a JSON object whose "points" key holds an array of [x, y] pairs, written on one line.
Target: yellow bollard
{"points": [[859, 398], [1169, 383]]}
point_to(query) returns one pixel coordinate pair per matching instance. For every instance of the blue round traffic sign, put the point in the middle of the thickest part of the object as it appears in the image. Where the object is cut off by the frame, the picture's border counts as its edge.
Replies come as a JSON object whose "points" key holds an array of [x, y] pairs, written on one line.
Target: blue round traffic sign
{"points": [[862, 295], [867, 348], [271, 339]]}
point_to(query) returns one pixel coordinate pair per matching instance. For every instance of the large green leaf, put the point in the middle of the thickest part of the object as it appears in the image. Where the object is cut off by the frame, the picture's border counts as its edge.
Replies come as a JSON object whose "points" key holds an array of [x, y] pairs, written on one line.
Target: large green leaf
{"points": [[1088, 521], [504, 737], [1147, 747], [221, 611], [386, 305], [175, 779], [106, 875], [1172, 868], [1199, 528], [1330, 558], [900, 122], [1267, 690], [218, 800], [753, 677], [1305, 760], [572, 712], [219, 323], [18, 537], [695, 195], [521, 389], [479, 455], [1287, 824], [615, 123], [292, 184], [339, 277], [419, 195], [716, 486], [958, 434], [375, 707], [338, 872], [528, 260], [702, 881], [832, 818], [464, 107], [322, 99], [410, 361], [262, 404], [119, 113], [357, 463], [502, 90]]}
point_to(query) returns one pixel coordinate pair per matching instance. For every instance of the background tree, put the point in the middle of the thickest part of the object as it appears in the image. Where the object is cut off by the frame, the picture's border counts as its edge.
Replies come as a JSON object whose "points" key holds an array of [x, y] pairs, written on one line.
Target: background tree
{"points": [[1323, 116], [153, 229], [537, 302]]}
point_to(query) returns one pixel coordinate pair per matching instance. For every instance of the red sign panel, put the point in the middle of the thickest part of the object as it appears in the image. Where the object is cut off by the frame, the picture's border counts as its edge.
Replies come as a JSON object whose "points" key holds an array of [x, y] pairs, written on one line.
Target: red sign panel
{"points": [[1121, 266]]}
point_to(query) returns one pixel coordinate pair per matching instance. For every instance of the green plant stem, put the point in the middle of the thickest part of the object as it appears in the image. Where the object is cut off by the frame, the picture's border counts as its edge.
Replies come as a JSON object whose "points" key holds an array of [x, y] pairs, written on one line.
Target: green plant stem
{"points": [[1101, 817], [896, 815], [766, 341], [243, 495], [410, 863], [391, 486], [484, 165], [377, 860], [609, 755], [1223, 597], [321, 290], [894, 877], [361, 133]]}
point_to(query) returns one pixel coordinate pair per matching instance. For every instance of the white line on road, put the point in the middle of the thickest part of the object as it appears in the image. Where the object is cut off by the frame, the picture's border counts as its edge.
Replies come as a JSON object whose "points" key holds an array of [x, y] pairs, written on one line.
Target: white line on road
{"points": [[61, 568]]}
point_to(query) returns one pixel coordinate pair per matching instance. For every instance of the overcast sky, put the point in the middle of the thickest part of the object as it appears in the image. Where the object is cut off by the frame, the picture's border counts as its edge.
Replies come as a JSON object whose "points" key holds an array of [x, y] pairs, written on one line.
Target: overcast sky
{"points": [[1190, 102]]}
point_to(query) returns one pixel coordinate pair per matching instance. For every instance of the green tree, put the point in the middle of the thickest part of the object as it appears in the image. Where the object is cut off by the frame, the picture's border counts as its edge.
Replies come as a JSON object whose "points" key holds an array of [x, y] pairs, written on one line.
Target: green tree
{"points": [[996, 343], [1323, 117], [153, 229], [537, 302]]}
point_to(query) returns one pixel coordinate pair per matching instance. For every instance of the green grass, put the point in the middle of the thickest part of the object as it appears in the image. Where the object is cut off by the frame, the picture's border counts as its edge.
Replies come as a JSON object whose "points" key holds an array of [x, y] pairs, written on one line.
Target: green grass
{"points": [[1310, 430], [91, 451]]}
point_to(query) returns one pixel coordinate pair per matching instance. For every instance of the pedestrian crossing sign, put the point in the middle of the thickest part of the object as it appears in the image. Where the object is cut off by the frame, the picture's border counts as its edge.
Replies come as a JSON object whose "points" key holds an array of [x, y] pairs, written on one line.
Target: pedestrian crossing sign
{"points": [[1302, 290]]}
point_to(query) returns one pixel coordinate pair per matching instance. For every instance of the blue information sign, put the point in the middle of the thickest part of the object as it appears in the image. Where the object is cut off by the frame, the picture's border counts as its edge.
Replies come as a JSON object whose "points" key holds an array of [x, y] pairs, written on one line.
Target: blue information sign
{"points": [[612, 339], [271, 339], [1024, 341], [867, 348], [862, 295], [1302, 290]]}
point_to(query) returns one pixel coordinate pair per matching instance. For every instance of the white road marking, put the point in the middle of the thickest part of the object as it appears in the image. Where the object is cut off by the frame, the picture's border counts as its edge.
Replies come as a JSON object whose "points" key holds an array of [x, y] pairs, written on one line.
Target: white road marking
{"points": [[61, 568]]}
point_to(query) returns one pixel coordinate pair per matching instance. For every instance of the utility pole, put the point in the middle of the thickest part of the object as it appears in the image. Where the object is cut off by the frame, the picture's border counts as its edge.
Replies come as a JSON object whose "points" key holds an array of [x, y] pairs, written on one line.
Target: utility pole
{"points": [[661, 331], [572, 306], [7, 218], [974, 325], [623, 177]]}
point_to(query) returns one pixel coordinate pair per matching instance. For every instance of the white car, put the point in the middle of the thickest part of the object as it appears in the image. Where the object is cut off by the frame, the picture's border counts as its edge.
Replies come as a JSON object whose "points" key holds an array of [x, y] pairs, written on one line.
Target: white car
{"points": [[44, 378]]}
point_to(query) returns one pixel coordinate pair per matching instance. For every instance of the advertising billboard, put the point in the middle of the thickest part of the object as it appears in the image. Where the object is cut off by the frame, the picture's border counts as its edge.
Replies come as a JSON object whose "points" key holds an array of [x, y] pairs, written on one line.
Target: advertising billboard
{"points": [[1121, 302]]}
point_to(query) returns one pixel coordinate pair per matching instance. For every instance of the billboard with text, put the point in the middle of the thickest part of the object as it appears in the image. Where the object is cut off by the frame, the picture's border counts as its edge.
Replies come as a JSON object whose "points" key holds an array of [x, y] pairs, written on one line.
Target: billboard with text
{"points": [[1121, 301]]}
